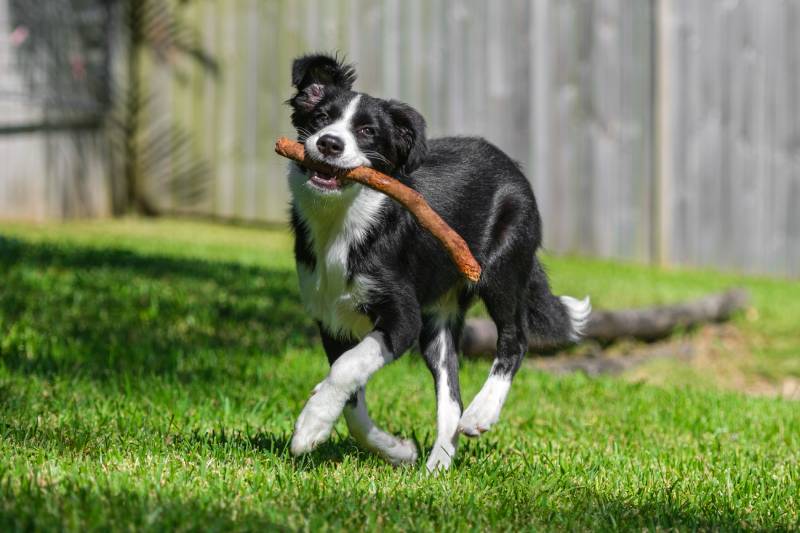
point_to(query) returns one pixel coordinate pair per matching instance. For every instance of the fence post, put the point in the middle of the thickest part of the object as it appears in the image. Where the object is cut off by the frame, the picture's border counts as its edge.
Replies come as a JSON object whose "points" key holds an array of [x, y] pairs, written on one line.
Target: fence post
{"points": [[662, 68]]}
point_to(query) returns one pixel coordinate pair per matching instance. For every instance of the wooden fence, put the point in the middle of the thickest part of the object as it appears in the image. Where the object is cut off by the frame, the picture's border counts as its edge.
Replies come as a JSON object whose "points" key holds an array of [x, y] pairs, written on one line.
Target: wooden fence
{"points": [[729, 108], [54, 153], [564, 86], [656, 130]]}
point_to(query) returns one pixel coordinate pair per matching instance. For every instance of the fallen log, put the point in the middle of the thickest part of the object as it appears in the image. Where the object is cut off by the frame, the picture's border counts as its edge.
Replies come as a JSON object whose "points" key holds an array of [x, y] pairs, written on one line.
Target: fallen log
{"points": [[649, 324]]}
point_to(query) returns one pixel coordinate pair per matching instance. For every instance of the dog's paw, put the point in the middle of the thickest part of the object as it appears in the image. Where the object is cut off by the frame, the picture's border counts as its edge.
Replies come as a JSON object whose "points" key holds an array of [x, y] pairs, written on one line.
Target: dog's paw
{"points": [[403, 452], [316, 421], [480, 416], [309, 432], [478, 419], [440, 458], [484, 411]]}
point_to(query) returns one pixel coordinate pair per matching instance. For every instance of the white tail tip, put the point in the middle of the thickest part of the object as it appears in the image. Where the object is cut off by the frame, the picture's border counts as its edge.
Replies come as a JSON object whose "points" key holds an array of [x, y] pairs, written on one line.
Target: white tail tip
{"points": [[579, 311]]}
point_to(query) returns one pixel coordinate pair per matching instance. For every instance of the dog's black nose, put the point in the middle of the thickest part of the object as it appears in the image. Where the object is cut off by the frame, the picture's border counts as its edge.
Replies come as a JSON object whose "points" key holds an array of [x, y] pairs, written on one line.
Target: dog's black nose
{"points": [[330, 145]]}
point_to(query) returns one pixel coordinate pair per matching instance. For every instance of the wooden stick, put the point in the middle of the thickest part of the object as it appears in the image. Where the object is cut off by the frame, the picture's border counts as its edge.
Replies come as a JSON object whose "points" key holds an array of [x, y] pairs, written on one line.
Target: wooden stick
{"points": [[480, 334], [406, 196]]}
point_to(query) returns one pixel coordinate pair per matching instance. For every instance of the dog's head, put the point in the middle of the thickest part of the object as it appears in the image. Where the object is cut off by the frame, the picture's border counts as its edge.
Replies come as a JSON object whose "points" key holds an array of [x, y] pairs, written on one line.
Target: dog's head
{"points": [[346, 129]]}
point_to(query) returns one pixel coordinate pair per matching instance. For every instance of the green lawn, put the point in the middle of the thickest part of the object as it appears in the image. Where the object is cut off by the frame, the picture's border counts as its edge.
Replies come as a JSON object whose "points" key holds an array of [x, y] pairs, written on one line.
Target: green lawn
{"points": [[150, 374]]}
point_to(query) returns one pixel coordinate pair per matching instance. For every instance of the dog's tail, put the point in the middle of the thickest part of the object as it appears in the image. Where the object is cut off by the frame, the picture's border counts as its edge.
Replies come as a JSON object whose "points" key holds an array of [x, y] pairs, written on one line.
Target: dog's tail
{"points": [[554, 320]]}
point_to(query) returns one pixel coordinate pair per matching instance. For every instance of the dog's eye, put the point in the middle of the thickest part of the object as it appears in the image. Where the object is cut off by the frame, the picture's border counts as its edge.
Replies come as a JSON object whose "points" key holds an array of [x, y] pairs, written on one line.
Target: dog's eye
{"points": [[366, 131], [320, 116]]}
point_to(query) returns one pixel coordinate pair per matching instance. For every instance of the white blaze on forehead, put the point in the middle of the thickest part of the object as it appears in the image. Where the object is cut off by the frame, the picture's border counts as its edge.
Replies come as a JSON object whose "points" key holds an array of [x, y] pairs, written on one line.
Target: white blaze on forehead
{"points": [[350, 110], [351, 156]]}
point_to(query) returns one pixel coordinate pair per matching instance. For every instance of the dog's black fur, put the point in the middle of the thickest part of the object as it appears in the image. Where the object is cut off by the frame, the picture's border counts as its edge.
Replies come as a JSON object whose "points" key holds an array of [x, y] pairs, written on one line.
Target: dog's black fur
{"points": [[475, 187]]}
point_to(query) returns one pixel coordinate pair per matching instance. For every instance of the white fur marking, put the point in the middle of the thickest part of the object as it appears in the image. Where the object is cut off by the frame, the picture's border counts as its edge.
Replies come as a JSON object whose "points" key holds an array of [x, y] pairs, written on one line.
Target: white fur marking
{"points": [[446, 308], [365, 432], [350, 372], [448, 413], [335, 223], [579, 311], [484, 411], [351, 156]]}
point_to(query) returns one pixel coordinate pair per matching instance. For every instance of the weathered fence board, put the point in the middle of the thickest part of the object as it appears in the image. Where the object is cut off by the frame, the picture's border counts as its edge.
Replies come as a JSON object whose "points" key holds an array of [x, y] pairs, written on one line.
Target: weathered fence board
{"points": [[656, 130], [735, 154], [48, 170]]}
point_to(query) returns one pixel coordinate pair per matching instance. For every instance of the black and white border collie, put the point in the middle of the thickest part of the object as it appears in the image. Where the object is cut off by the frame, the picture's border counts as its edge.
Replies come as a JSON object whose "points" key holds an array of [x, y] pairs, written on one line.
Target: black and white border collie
{"points": [[376, 282]]}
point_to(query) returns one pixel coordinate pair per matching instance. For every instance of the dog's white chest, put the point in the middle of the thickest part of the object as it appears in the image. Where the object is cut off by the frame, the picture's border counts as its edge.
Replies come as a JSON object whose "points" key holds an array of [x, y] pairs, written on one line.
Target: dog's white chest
{"points": [[329, 298], [333, 229]]}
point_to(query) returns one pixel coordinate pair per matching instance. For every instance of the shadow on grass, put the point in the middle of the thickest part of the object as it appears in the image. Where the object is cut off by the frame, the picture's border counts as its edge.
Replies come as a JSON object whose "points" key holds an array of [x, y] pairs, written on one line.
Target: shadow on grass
{"points": [[262, 441], [75, 504], [78, 506], [601, 511], [333, 450], [101, 311]]}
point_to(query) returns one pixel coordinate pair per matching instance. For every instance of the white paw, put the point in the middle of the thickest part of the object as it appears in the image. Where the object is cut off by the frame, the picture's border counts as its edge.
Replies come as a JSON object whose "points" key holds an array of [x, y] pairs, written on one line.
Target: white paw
{"points": [[478, 418], [440, 458], [404, 451], [315, 423], [484, 411], [309, 432]]}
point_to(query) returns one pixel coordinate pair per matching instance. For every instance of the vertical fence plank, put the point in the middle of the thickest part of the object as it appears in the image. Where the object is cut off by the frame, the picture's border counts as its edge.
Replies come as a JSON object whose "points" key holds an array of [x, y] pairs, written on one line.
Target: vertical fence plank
{"points": [[540, 98], [390, 43], [226, 142], [785, 230], [437, 96], [208, 96]]}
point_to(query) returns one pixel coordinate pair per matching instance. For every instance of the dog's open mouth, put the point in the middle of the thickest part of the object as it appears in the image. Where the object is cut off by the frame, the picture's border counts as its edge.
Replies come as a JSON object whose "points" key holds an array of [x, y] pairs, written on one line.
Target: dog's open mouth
{"points": [[324, 181]]}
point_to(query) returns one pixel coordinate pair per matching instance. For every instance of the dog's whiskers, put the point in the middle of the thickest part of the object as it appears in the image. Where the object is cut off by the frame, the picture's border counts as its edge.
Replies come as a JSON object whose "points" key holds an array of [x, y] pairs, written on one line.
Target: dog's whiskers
{"points": [[376, 155], [303, 133]]}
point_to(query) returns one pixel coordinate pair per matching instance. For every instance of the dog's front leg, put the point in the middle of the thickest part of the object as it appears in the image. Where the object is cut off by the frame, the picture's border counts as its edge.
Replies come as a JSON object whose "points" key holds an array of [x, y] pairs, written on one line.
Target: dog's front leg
{"points": [[397, 321], [439, 351], [348, 373]]}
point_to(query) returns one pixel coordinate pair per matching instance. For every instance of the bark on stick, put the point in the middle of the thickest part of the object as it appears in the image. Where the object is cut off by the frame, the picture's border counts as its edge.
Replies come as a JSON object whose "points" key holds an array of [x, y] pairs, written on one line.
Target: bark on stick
{"points": [[406, 196]]}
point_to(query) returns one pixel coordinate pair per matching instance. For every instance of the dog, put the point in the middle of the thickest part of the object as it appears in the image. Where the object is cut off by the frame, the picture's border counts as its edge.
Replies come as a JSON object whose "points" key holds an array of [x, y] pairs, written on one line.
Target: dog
{"points": [[376, 282]]}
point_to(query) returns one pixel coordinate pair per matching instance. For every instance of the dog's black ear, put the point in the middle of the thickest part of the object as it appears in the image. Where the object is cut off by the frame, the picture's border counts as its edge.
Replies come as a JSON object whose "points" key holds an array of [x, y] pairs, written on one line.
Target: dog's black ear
{"points": [[311, 74], [410, 141], [322, 69]]}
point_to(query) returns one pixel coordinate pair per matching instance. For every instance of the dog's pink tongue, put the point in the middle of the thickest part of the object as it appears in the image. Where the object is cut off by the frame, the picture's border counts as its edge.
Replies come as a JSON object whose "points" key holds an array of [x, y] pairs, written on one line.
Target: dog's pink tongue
{"points": [[324, 180]]}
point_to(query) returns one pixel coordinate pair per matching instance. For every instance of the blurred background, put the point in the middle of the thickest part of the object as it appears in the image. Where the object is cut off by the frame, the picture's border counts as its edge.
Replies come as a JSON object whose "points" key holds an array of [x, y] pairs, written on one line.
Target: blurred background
{"points": [[663, 131]]}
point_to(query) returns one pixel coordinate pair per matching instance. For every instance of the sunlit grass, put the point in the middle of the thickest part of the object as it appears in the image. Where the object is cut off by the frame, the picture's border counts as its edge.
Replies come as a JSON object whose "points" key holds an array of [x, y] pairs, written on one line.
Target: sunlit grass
{"points": [[151, 371]]}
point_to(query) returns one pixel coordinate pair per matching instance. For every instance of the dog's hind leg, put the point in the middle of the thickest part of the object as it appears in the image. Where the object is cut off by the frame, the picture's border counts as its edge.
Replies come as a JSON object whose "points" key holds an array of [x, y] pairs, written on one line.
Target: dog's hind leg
{"points": [[518, 298], [504, 293], [484, 410], [395, 450], [438, 345]]}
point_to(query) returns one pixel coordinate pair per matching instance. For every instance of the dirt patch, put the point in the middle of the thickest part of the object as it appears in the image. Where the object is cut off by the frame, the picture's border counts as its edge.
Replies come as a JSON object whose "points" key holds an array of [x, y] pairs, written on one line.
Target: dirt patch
{"points": [[593, 360], [715, 354], [724, 352]]}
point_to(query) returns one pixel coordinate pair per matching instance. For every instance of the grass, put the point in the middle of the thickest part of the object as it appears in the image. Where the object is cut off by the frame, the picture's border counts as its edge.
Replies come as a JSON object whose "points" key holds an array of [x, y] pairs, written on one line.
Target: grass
{"points": [[150, 373]]}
